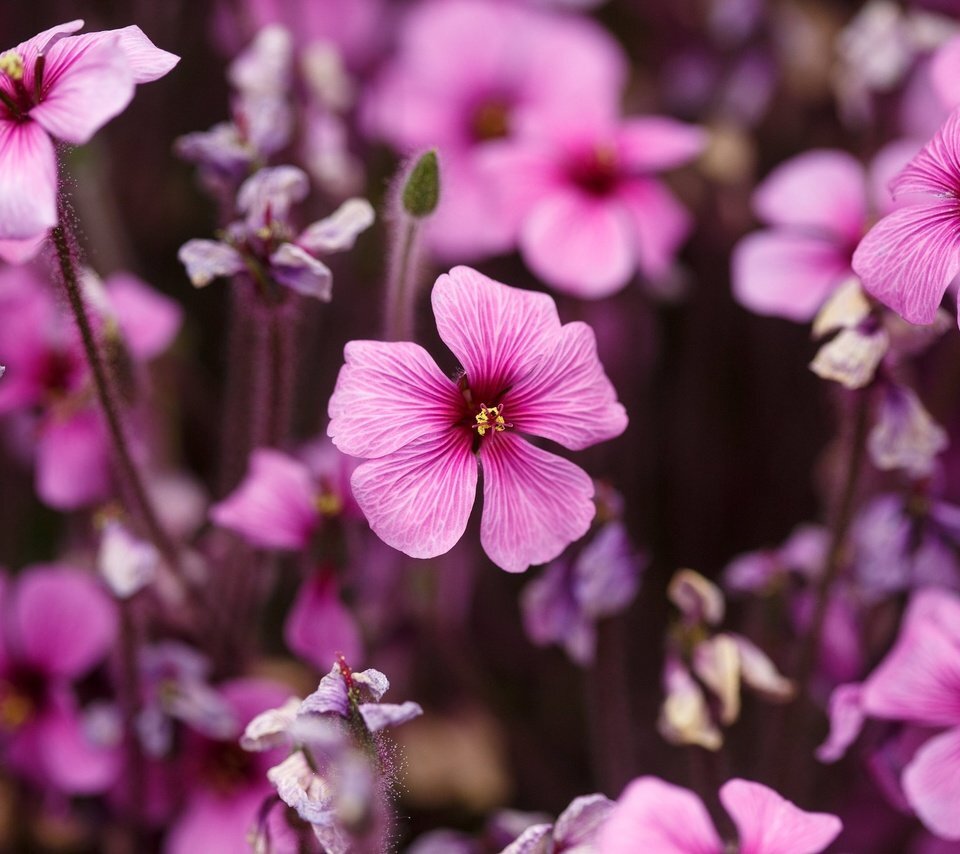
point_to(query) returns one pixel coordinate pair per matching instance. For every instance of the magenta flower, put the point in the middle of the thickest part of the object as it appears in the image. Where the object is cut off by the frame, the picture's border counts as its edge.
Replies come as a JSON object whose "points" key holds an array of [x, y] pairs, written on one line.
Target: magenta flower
{"points": [[908, 259], [451, 90], [585, 206], [652, 815], [424, 434], [66, 87], [58, 625], [319, 627], [918, 683]]}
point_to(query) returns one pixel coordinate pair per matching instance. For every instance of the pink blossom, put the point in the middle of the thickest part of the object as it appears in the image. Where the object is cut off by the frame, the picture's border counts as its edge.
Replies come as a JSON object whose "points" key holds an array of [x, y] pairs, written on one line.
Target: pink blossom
{"points": [[58, 625], [424, 434], [319, 627], [789, 269], [451, 90], [582, 199], [652, 815], [908, 259], [61, 86]]}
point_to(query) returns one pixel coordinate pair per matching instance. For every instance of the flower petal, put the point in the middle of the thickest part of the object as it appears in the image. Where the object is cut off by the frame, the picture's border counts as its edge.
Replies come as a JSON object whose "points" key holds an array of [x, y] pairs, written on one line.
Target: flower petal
{"points": [[146, 60], [935, 170], [931, 783], [63, 621], [770, 824], [567, 397], [148, 320], [28, 181], [660, 224], [579, 244], [72, 760], [274, 507], [301, 272], [908, 259], [318, 627], [418, 498], [378, 716], [786, 275], [339, 231], [846, 721], [497, 332], [73, 460], [652, 143], [652, 815], [86, 82], [793, 194], [579, 824], [387, 395], [205, 260], [534, 503]]}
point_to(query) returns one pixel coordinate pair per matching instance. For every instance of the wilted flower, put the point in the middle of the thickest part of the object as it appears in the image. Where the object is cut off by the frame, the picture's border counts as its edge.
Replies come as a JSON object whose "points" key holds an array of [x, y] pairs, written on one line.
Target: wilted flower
{"points": [[576, 828]]}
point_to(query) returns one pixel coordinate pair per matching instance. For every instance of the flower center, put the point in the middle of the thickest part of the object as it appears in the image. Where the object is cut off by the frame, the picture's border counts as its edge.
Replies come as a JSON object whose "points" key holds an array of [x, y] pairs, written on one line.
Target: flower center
{"points": [[596, 171], [490, 120], [490, 418], [18, 702], [11, 64]]}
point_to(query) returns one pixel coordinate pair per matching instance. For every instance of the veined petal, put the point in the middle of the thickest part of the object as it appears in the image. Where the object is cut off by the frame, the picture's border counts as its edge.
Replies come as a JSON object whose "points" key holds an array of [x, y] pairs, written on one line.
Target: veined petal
{"points": [[936, 169], [387, 395], [147, 61], [786, 275], [931, 783], [497, 332], [418, 499], [86, 82], [300, 271], [653, 143], [660, 224], [579, 244], [41, 42], [63, 621], [653, 815], [567, 397], [534, 503], [338, 232], [908, 259], [793, 194], [770, 824], [28, 181]]}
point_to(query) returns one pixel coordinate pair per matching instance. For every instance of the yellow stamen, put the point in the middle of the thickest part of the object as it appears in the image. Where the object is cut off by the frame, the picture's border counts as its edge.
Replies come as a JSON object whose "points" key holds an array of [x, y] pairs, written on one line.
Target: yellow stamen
{"points": [[11, 64], [328, 504], [15, 711], [490, 418]]}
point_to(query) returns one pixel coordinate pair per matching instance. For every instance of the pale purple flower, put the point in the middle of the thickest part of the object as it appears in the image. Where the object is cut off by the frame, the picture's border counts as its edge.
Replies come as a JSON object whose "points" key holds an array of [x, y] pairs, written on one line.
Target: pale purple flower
{"points": [[908, 259], [423, 434], [126, 563], [586, 207], [564, 604], [576, 829], [652, 815], [265, 244], [905, 435], [60, 86], [451, 90], [918, 682], [58, 625], [791, 268]]}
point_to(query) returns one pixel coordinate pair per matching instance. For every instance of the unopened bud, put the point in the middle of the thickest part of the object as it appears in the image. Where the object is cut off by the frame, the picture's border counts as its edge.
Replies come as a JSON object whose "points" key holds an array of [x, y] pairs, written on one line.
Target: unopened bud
{"points": [[421, 191]]}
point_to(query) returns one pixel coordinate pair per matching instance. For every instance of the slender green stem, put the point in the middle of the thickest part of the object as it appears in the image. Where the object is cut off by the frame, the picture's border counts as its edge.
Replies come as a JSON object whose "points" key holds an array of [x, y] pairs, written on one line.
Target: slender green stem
{"points": [[401, 288]]}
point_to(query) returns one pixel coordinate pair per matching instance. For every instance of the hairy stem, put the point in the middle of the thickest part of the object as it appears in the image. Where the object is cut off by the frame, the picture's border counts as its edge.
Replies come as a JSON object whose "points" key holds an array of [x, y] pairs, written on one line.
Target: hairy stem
{"points": [[401, 284]]}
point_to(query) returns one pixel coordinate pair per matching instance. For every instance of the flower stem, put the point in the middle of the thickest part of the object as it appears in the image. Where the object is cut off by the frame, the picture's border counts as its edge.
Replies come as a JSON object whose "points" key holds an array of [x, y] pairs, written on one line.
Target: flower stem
{"points": [[130, 476], [401, 283]]}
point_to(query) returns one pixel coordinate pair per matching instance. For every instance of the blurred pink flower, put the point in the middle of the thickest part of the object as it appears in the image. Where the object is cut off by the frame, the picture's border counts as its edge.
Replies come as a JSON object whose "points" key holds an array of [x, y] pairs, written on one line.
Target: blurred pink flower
{"points": [[469, 72], [423, 434], [58, 625], [652, 815], [580, 195], [66, 87], [790, 269], [918, 683], [319, 627], [908, 259]]}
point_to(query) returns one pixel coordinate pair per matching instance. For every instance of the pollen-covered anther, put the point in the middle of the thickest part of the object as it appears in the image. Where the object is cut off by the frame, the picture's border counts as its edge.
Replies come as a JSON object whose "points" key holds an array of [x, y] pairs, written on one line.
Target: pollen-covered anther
{"points": [[11, 64], [491, 418]]}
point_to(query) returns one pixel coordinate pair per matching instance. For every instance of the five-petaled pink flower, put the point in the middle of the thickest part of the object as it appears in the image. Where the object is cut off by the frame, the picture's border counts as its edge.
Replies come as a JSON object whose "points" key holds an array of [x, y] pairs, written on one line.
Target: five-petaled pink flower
{"points": [[423, 433], [909, 258], [67, 87]]}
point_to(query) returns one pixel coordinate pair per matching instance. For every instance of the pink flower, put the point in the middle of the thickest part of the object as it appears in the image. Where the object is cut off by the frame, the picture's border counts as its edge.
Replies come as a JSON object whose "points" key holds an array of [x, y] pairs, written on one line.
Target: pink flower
{"points": [[789, 269], [66, 87], [918, 683], [652, 815], [469, 72], [909, 258], [319, 627], [423, 434], [585, 207]]}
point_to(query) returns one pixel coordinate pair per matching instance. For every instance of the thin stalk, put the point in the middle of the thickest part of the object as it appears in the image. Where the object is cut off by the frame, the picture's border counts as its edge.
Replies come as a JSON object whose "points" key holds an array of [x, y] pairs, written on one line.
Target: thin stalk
{"points": [[130, 705], [130, 476], [401, 284]]}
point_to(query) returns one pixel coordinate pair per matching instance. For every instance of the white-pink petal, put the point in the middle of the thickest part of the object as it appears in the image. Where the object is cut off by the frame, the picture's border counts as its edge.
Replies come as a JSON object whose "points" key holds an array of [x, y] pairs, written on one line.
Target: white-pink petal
{"points": [[908, 259], [28, 181], [655, 816], [579, 244], [534, 503], [567, 397], [931, 783], [770, 824], [418, 498], [147, 61], [387, 395]]}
